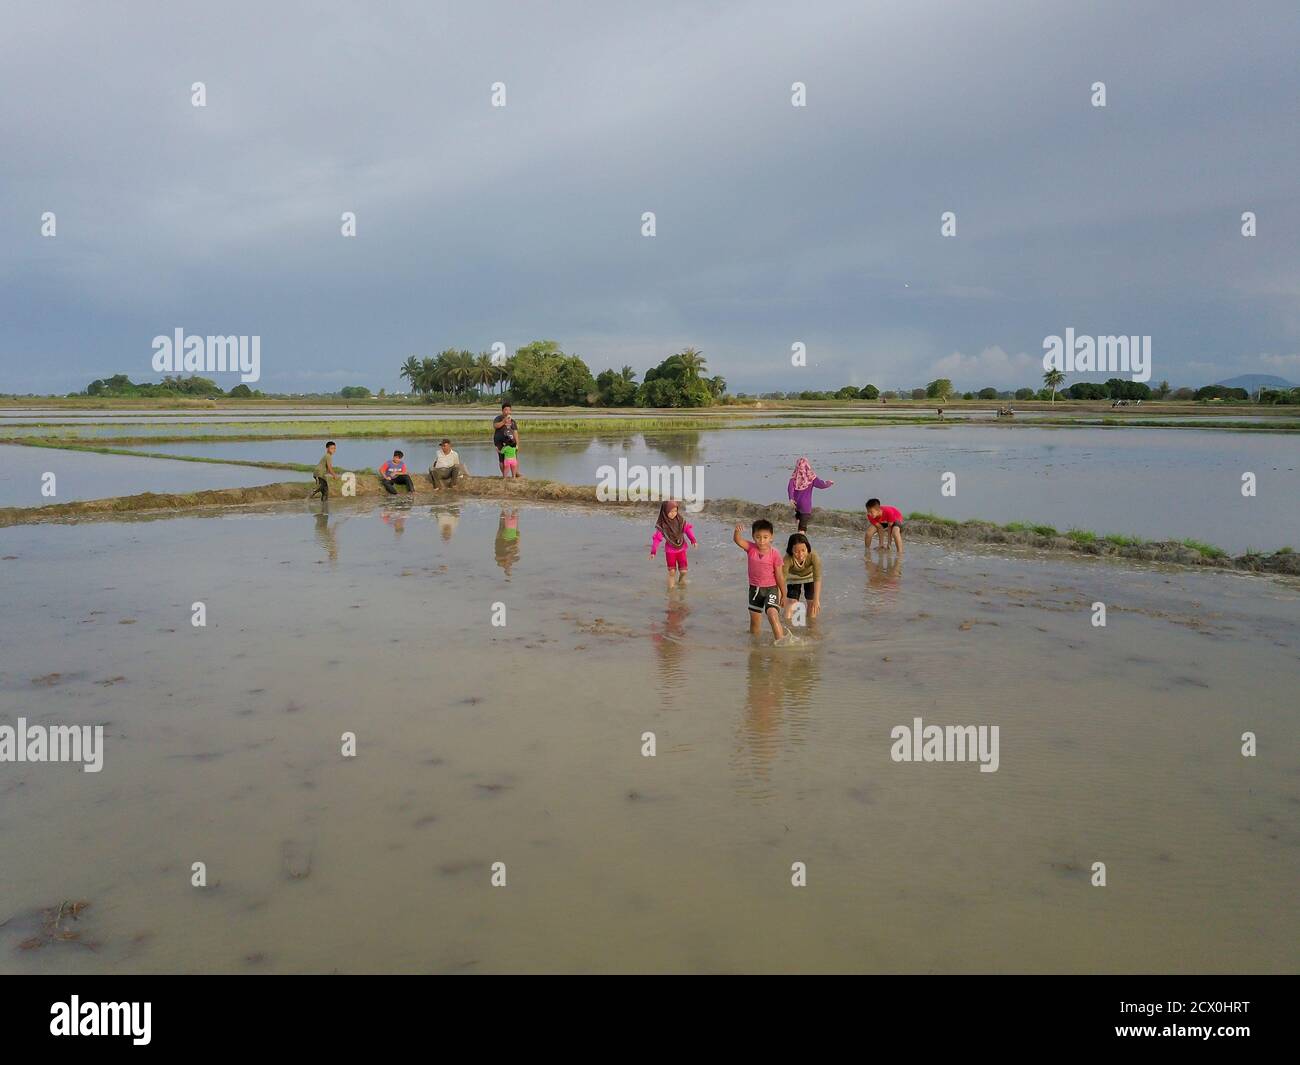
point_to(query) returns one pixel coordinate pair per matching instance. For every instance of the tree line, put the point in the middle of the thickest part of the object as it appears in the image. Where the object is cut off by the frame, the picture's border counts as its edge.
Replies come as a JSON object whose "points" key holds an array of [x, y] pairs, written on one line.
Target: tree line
{"points": [[541, 374]]}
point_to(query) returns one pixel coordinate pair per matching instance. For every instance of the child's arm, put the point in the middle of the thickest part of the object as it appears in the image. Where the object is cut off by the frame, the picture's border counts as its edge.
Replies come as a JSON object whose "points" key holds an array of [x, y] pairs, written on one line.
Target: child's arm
{"points": [[690, 535], [739, 540], [654, 542], [779, 569]]}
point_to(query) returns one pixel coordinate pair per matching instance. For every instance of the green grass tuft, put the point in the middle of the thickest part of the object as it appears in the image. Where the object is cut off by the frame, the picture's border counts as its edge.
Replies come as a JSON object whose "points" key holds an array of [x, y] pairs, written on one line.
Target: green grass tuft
{"points": [[922, 515], [1208, 550], [1082, 536]]}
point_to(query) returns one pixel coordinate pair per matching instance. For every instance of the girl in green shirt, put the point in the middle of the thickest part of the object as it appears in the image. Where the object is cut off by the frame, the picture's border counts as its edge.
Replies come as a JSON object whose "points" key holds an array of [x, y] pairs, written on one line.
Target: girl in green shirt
{"points": [[803, 575]]}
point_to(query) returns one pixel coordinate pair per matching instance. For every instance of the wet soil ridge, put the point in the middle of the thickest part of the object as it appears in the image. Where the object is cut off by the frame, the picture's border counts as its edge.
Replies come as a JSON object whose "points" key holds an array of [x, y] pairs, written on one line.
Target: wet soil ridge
{"points": [[533, 489]]}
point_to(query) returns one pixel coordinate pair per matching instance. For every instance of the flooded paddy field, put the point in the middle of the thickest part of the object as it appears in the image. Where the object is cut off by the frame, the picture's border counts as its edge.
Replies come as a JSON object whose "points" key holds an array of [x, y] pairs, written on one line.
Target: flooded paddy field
{"points": [[522, 744], [1154, 484], [80, 475]]}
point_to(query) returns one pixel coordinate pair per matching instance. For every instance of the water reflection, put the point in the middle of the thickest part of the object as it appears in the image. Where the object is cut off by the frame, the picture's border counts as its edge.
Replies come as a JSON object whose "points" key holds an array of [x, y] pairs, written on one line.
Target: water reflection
{"points": [[884, 574], [684, 449], [447, 521], [325, 533], [669, 638], [507, 541], [781, 686], [394, 515]]}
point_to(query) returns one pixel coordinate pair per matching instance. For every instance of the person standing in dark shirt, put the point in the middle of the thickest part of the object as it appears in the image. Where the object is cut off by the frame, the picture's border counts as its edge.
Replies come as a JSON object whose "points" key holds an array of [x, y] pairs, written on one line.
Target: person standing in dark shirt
{"points": [[504, 431]]}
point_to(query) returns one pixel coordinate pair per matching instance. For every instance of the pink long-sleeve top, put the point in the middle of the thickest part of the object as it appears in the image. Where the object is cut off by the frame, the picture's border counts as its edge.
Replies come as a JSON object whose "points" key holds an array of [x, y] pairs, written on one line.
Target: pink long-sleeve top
{"points": [[687, 531]]}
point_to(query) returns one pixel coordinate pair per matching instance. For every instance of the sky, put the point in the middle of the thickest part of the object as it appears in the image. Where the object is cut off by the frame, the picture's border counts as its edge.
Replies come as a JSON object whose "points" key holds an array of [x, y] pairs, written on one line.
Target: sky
{"points": [[774, 224]]}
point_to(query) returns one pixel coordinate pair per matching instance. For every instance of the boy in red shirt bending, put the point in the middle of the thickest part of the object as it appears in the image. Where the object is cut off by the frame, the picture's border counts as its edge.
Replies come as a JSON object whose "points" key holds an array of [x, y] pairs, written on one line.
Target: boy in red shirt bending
{"points": [[887, 521]]}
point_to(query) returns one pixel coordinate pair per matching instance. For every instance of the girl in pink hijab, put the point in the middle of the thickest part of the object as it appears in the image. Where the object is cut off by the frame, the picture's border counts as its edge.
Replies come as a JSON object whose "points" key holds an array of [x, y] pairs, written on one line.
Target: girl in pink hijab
{"points": [[800, 491], [673, 527]]}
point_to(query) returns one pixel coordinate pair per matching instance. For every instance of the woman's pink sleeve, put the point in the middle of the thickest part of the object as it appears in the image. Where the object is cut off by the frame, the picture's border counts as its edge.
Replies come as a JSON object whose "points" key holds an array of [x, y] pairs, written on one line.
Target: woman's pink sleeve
{"points": [[656, 540]]}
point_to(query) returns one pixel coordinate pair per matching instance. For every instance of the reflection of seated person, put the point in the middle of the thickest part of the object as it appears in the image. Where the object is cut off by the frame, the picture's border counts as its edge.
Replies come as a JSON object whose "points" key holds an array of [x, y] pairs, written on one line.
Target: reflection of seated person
{"points": [[395, 519], [507, 542], [393, 472], [446, 469], [447, 522]]}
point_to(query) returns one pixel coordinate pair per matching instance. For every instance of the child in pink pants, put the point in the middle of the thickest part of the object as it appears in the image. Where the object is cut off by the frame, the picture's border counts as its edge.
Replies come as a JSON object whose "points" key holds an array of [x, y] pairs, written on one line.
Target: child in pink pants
{"points": [[672, 527]]}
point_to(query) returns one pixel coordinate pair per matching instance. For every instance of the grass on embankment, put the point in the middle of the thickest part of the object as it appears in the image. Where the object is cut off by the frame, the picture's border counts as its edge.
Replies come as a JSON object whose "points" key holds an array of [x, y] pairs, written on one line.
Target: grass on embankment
{"points": [[1085, 539]]}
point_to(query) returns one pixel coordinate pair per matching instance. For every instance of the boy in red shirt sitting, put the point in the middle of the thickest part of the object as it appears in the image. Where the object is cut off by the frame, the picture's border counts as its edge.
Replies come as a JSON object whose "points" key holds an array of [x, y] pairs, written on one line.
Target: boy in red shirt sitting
{"points": [[887, 521], [393, 472]]}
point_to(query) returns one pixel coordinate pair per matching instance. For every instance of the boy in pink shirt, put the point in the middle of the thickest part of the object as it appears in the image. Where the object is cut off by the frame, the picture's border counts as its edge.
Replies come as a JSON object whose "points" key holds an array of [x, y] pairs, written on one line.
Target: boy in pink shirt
{"points": [[766, 577], [887, 521]]}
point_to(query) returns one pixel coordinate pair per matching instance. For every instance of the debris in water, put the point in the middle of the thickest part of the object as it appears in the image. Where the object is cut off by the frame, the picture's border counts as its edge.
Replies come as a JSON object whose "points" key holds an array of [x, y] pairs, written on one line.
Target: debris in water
{"points": [[296, 859], [51, 925]]}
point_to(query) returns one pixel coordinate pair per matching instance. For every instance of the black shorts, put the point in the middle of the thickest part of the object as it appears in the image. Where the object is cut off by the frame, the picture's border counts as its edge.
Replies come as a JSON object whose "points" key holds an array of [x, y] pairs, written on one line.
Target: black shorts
{"points": [[764, 599], [809, 590], [887, 525]]}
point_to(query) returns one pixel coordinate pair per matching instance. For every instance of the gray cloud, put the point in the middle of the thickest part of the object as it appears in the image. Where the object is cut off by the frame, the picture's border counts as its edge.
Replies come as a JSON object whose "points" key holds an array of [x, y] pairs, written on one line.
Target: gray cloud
{"points": [[775, 224]]}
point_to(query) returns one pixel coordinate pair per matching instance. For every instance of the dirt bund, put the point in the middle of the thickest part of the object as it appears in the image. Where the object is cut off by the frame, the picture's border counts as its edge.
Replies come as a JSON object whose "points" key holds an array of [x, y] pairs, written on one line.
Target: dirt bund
{"points": [[157, 505]]}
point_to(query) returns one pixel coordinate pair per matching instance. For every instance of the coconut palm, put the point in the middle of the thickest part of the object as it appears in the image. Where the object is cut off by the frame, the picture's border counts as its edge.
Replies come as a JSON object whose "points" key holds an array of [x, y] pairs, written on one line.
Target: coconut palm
{"points": [[506, 372], [1053, 379], [411, 372], [693, 362], [486, 372], [429, 377]]}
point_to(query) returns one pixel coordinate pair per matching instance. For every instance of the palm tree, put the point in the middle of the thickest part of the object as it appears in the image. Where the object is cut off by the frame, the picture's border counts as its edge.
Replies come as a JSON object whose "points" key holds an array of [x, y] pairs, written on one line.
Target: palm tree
{"points": [[411, 372], [693, 362], [430, 375], [1053, 379], [486, 372], [507, 373]]}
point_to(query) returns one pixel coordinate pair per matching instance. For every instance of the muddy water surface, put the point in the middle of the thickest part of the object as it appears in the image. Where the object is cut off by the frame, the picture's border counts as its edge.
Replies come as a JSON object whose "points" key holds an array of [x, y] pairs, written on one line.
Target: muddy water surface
{"points": [[479, 743]]}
